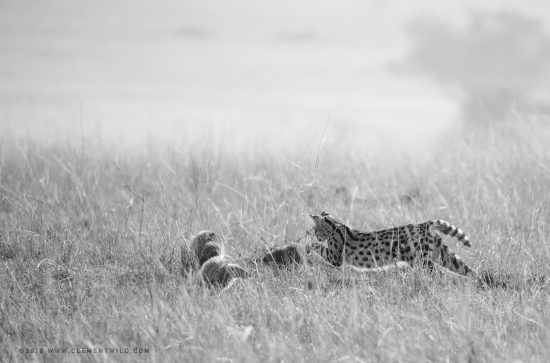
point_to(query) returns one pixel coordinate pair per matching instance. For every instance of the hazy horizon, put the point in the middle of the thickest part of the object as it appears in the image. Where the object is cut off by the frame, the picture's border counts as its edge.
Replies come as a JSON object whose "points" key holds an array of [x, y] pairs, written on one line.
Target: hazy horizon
{"points": [[131, 71]]}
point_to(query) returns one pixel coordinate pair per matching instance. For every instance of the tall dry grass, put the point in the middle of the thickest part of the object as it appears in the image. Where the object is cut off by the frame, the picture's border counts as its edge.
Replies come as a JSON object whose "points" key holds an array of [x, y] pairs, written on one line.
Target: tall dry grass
{"points": [[90, 240]]}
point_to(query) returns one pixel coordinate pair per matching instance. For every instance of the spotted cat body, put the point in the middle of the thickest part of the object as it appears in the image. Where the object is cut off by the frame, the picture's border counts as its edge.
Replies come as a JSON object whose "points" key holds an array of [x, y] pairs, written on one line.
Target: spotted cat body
{"points": [[411, 243]]}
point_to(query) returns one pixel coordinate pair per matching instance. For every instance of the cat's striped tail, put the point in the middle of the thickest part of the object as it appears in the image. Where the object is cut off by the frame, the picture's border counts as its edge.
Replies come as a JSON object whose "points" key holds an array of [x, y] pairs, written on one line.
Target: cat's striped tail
{"points": [[450, 230]]}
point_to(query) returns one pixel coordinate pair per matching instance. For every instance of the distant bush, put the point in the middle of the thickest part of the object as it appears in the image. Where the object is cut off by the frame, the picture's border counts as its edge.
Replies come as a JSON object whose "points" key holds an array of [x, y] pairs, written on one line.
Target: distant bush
{"points": [[496, 62]]}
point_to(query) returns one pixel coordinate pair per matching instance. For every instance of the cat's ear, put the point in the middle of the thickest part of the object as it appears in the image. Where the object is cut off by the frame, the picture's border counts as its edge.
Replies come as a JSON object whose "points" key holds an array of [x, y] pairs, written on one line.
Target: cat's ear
{"points": [[316, 218]]}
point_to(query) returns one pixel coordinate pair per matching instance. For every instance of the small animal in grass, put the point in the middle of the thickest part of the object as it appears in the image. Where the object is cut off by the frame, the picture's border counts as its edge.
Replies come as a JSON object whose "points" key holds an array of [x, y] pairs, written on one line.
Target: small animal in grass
{"points": [[205, 245], [207, 250], [411, 243], [217, 272], [283, 256]]}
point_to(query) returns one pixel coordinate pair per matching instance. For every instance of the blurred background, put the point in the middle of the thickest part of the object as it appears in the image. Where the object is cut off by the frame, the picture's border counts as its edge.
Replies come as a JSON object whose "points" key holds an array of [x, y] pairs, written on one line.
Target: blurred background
{"points": [[272, 73]]}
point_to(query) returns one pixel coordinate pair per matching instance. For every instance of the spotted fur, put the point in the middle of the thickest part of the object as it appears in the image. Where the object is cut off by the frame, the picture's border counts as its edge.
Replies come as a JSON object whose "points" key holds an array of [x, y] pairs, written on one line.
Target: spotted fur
{"points": [[411, 243]]}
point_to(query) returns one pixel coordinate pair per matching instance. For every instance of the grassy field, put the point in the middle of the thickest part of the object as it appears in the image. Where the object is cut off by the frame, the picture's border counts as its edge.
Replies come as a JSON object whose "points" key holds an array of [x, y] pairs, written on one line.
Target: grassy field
{"points": [[90, 239]]}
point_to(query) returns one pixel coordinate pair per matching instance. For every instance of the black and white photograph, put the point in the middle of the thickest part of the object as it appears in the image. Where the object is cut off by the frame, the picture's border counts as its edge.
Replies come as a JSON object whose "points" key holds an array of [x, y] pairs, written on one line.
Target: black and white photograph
{"points": [[285, 181]]}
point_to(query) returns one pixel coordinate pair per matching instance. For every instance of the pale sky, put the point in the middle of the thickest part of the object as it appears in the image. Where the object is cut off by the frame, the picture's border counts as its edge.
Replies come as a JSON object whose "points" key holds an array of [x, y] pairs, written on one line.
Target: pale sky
{"points": [[128, 69]]}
